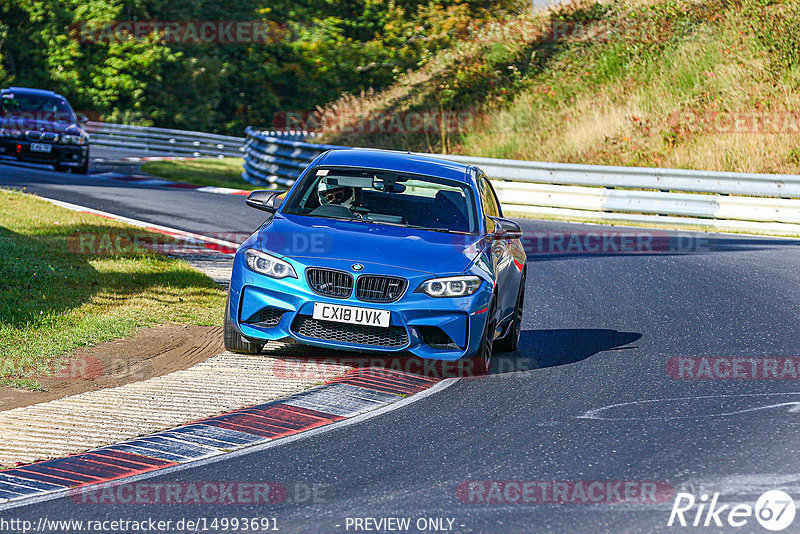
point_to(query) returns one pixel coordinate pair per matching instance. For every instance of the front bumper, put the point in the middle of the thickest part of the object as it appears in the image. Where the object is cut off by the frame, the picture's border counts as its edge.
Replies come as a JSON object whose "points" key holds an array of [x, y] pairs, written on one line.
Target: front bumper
{"points": [[416, 326], [66, 155]]}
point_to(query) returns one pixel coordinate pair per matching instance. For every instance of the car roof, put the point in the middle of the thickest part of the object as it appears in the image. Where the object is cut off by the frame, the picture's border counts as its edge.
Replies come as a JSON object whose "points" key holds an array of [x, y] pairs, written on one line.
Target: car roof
{"points": [[391, 160], [30, 91]]}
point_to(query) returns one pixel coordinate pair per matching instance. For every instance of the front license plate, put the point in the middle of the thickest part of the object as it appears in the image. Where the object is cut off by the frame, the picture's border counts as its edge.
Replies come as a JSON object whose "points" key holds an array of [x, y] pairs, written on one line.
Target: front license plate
{"points": [[41, 147], [351, 314]]}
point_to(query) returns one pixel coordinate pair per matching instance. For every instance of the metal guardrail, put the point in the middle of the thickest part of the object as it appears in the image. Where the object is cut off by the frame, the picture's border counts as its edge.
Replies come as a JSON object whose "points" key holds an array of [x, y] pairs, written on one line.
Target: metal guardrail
{"points": [[171, 142], [763, 203], [270, 159]]}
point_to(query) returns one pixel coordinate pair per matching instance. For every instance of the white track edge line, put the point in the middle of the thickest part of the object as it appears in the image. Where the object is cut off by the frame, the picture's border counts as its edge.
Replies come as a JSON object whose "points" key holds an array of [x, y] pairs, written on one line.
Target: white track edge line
{"points": [[142, 224]]}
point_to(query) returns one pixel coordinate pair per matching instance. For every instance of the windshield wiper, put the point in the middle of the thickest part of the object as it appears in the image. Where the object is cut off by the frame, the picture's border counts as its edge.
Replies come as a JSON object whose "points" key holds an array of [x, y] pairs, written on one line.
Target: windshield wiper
{"points": [[443, 230]]}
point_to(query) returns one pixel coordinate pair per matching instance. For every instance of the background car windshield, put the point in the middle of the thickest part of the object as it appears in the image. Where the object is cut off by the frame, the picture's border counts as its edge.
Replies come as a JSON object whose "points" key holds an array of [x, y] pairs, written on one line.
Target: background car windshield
{"points": [[385, 197], [36, 106]]}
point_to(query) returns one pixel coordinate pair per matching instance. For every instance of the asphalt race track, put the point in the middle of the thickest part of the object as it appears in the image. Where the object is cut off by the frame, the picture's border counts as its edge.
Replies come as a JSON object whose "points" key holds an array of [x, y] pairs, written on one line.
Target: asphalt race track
{"points": [[593, 395]]}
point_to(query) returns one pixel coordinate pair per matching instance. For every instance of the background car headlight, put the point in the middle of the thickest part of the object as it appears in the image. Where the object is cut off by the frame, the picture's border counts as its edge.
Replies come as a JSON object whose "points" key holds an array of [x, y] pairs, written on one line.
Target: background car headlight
{"points": [[452, 286], [8, 132], [69, 139], [263, 263]]}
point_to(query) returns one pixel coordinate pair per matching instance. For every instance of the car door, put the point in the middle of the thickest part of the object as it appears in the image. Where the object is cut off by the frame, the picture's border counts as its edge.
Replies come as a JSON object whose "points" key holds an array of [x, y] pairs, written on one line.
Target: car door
{"points": [[502, 258]]}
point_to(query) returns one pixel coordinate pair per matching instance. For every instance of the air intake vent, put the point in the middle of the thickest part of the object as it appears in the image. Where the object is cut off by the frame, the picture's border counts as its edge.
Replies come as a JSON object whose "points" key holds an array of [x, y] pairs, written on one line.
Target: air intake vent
{"points": [[266, 317], [436, 338], [331, 283], [380, 288], [374, 336]]}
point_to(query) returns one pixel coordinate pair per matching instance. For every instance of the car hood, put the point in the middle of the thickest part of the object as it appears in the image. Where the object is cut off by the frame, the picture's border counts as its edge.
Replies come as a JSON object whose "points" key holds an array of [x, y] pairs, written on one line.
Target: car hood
{"points": [[437, 253]]}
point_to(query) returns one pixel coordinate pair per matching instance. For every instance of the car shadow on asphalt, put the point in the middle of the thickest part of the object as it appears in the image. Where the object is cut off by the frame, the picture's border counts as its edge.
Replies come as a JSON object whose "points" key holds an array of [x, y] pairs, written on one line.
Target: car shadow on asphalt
{"points": [[537, 349], [540, 349]]}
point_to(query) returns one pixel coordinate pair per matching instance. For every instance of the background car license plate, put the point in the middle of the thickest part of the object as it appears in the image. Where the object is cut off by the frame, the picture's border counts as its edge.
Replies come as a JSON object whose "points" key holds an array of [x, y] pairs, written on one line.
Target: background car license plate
{"points": [[351, 314], [40, 147]]}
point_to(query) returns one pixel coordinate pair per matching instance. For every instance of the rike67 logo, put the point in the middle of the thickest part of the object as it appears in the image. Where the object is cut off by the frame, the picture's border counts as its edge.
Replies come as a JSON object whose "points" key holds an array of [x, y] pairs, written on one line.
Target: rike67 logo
{"points": [[774, 510]]}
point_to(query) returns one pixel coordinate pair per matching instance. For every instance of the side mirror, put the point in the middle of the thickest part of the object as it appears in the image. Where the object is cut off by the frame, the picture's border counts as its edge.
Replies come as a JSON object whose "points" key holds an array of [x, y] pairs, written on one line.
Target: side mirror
{"points": [[82, 119], [265, 199], [506, 229]]}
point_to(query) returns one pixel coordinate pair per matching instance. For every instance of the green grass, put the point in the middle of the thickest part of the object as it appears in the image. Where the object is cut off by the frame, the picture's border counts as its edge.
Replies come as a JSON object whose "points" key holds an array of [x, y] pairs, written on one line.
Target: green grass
{"points": [[217, 172], [58, 292]]}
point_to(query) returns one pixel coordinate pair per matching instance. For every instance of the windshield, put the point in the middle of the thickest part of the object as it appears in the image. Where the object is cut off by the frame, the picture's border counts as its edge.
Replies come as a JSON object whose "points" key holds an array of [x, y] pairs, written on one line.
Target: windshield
{"points": [[38, 107], [374, 196]]}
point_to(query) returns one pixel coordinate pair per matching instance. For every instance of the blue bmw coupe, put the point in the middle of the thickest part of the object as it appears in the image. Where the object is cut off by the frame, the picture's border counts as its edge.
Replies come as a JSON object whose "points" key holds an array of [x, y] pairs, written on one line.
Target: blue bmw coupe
{"points": [[383, 252]]}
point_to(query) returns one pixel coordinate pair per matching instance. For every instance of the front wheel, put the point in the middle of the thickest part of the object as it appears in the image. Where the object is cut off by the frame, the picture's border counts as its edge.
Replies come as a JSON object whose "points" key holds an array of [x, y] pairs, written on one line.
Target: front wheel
{"points": [[234, 342], [510, 342], [83, 168], [481, 361]]}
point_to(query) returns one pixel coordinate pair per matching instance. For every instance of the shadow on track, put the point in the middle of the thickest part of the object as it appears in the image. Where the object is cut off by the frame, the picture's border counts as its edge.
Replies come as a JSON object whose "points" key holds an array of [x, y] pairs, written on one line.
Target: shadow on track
{"points": [[539, 349]]}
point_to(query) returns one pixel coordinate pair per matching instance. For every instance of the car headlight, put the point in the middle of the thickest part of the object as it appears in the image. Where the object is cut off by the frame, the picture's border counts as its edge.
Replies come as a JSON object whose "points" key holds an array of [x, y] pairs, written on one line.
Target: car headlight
{"points": [[452, 286], [8, 132], [69, 139], [263, 263]]}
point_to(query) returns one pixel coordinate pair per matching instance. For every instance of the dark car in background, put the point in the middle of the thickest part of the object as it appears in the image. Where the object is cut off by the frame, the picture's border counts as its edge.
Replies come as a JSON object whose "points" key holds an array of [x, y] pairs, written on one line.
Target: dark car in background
{"points": [[41, 127]]}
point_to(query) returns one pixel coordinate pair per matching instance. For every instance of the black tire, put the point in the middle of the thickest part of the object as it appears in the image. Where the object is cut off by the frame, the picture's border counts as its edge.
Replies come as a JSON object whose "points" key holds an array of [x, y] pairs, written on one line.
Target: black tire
{"points": [[510, 342], [234, 342], [83, 168], [60, 168], [482, 360]]}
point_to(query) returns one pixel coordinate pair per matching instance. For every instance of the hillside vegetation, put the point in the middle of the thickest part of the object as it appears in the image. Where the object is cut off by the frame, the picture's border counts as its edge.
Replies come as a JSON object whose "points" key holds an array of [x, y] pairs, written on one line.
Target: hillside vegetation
{"points": [[305, 53], [707, 85]]}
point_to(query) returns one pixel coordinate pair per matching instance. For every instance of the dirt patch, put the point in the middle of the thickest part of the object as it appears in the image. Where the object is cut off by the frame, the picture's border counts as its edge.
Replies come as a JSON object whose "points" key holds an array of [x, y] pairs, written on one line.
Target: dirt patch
{"points": [[151, 352]]}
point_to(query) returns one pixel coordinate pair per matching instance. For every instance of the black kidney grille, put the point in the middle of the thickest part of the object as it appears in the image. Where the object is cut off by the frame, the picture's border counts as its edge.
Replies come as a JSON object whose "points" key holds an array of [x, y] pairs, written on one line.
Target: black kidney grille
{"points": [[374, 336], [380, 288], [332, 283], [266, 317]]}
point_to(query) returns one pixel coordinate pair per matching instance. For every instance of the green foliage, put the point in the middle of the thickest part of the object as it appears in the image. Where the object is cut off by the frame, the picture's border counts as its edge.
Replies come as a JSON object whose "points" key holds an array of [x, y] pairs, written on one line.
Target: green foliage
{"points": [[317, 50], [777, 24]]}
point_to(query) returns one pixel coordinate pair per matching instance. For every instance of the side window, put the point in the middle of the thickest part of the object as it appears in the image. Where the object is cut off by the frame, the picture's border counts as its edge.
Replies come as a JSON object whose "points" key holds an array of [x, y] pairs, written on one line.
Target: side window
{"points": [[491, 208]]}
